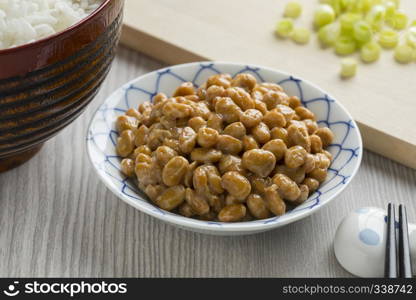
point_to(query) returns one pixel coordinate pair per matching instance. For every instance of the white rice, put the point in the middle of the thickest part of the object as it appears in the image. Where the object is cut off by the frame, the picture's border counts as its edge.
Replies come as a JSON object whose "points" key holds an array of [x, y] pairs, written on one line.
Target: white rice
{"points": [[25, 21]]}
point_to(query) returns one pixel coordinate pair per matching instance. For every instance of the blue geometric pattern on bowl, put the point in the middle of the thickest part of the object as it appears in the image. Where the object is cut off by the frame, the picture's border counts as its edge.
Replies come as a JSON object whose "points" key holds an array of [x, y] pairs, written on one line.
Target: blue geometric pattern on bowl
{"points": [[102, 136]]}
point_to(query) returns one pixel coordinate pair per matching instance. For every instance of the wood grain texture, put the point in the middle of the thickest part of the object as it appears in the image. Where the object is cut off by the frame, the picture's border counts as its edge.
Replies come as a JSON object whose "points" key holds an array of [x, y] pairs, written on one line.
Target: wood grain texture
{"points": [[380, 98], [58, 219]]}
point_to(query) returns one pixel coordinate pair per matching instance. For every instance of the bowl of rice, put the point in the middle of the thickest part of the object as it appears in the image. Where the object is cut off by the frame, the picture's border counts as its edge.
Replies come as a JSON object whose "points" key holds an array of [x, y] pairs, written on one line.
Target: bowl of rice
{"points": [[54, 56]]}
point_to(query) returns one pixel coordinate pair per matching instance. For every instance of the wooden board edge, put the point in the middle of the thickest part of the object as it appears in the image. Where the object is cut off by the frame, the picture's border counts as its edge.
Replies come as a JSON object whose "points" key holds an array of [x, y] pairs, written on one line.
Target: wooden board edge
{"points": [[388, 146], [156, 48], [374, 140]]}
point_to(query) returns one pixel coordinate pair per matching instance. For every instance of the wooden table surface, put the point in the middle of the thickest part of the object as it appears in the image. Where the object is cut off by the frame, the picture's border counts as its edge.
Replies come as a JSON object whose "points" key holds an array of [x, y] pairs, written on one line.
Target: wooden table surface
{"points": [[58, 219]]}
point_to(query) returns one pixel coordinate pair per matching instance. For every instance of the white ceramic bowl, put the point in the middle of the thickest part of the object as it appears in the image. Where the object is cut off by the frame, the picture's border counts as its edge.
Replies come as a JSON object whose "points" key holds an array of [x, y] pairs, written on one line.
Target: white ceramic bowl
{"points": [[101, 139]]}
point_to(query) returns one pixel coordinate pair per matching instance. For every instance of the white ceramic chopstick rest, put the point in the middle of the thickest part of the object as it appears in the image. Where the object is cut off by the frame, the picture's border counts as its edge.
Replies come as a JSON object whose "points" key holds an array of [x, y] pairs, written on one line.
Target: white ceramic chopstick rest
{"points": [[360, 242]]}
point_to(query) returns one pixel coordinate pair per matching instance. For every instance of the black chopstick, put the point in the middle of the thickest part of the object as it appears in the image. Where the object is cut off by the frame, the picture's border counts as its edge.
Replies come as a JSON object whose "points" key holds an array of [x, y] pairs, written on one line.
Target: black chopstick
{"points": [[390, 267], [405, 265]]}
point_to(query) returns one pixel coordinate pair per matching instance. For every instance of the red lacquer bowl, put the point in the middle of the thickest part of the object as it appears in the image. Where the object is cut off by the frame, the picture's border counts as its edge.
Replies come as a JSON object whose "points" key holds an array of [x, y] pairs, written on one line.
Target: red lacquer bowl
{"points": [[47, 84]]}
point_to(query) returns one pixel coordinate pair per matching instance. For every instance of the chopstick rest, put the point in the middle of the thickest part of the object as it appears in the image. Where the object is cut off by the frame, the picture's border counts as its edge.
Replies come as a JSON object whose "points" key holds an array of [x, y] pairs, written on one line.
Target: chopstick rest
{"points": [[360, 242]]}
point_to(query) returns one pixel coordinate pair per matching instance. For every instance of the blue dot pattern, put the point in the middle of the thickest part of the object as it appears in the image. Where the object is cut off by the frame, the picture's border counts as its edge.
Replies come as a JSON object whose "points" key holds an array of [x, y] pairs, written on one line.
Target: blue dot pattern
{"points": [[362, 210], [102, 136], [369, 237]]}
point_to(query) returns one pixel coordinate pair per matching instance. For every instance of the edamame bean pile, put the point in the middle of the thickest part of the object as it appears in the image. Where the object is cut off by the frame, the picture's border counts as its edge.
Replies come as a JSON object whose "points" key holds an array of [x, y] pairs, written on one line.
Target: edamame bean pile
{"points": [[231, 150]]}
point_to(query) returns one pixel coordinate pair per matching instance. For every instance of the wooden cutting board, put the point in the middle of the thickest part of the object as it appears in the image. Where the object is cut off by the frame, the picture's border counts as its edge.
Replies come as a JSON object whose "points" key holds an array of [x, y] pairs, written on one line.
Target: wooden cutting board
{"points": [[382, 97]]}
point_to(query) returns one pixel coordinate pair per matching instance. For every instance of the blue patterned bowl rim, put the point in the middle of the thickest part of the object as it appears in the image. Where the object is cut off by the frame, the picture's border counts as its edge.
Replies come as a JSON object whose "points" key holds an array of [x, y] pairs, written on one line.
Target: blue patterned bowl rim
{"points": [[107, 165]]}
